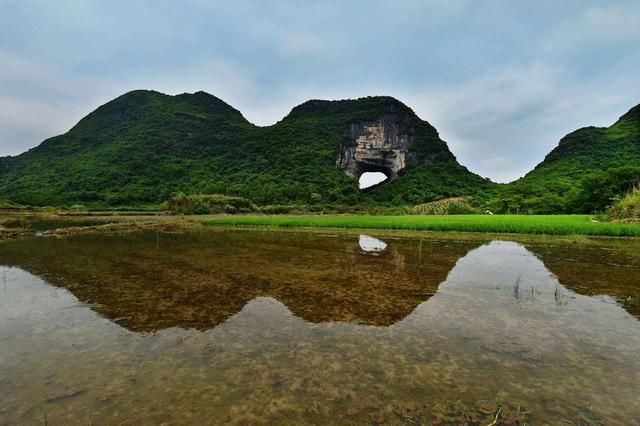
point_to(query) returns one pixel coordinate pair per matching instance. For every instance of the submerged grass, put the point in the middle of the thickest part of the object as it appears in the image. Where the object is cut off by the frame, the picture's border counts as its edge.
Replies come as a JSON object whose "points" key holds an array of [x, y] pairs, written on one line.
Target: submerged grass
{"points": [[519, 224]]}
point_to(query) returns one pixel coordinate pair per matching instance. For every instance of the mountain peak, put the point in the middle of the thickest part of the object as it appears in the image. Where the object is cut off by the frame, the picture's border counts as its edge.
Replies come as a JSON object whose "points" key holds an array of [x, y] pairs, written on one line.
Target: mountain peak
{"points": [[369, 107], [632, 115]]}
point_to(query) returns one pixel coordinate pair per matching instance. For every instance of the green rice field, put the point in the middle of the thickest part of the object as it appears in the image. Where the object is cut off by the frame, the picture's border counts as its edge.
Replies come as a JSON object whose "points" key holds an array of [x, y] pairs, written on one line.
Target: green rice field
{"points": [[520, 224]]}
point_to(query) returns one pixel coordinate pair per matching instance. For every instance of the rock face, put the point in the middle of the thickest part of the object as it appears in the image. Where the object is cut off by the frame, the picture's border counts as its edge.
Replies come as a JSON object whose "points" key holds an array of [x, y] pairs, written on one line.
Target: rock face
{"points": [[377, 146]]}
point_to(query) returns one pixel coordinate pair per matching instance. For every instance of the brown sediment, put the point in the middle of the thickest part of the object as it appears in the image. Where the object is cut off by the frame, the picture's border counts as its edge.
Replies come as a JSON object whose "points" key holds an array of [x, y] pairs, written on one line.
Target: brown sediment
{"points": [[151, 281], [247, 327]]}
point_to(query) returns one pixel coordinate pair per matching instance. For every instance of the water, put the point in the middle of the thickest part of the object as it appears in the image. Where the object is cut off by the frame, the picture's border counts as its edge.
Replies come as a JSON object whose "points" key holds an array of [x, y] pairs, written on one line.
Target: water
{"points": [[254, 327]]}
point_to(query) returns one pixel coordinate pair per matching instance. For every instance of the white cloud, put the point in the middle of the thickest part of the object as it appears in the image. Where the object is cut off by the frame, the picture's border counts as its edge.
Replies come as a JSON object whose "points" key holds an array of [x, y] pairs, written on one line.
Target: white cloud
{"points": [[613, 20]]}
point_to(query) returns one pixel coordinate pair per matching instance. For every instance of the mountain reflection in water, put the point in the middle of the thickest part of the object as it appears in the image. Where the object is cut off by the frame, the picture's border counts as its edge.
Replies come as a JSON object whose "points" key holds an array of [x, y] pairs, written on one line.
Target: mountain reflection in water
{"points": [[149, 282], [289, 327]]}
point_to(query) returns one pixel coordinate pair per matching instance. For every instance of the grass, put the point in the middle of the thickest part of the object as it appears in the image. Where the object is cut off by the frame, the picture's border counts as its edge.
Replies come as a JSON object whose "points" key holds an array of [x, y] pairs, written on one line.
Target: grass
{"points": [[519, 224]]}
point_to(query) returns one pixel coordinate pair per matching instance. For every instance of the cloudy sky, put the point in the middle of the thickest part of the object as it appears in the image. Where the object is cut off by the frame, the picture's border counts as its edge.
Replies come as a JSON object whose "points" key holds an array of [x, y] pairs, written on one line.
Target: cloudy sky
{"points": [[502, 81]]}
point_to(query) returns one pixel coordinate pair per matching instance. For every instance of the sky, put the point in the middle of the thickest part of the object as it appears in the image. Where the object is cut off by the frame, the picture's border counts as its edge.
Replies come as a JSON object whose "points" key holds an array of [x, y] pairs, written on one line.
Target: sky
{"points": [[502, 81]]}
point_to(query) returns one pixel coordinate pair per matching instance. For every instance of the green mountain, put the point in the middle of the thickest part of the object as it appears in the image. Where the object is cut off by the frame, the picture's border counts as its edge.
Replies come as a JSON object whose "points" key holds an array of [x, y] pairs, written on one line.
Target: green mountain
{"points": [[586, 172], [144, 146]]}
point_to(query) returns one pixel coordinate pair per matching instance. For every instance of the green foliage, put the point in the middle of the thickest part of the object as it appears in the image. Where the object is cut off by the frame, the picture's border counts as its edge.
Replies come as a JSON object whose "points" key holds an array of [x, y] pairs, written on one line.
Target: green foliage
{"points": [[590, 193], [585, 173], [144, 146], [455, 205], [283, 209], [8, 205], [628, 207], [598, 191], [428, 182], [521, 224], [209, 204]]}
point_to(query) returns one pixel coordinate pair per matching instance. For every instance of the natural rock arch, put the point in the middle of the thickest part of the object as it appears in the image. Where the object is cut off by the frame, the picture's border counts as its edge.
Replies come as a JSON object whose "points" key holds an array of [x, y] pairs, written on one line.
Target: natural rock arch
{"points": [[378, 146]]}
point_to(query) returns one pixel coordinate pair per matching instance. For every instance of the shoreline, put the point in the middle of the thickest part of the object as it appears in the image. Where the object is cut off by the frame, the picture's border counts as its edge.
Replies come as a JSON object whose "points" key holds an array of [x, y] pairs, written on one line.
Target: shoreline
{"points": [[39, 224]]}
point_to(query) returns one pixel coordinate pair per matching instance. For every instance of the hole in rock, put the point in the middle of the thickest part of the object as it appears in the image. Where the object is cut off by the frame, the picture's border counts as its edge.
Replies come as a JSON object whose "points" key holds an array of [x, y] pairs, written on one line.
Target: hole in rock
{"points": [[368, 179]]}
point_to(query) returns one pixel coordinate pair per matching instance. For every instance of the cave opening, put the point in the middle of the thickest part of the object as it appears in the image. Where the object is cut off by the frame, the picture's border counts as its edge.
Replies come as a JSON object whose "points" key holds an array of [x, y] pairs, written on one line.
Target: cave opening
{"points": [[369, 179]]}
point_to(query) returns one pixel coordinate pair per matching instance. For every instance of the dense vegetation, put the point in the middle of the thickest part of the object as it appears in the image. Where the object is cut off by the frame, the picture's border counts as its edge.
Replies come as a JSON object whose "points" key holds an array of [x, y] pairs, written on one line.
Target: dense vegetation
{"points": [[521, 224], [453, 205], [144, 147], [9, 205], [209, 204], [585, 173], [627, 207]]}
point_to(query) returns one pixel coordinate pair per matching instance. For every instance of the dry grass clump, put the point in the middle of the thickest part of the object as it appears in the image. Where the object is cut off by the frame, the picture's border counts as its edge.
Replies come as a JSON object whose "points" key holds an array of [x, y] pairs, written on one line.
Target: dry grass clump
{"points": [[15, 223], [209, 204], [452, 205], [627, 208]]}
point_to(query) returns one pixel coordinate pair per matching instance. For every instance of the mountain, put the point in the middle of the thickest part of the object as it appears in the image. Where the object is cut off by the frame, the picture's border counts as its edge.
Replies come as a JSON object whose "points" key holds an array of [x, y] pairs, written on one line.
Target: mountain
{"points": [[593, 149], [588, 169], [143, 146]]}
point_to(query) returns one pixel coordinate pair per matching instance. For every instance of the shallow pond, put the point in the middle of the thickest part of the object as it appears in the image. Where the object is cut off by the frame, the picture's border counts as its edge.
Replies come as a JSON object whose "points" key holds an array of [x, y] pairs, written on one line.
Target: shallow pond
{"points": [[249, 327]]}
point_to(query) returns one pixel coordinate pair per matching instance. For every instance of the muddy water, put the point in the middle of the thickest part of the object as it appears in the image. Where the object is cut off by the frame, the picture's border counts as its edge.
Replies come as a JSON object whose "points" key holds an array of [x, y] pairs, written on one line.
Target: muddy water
{"points": [[264, 327]]}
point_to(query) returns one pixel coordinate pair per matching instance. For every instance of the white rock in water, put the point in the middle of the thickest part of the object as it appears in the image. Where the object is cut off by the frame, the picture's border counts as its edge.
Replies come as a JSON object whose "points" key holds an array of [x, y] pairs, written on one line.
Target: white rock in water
{"points": [[370, 244]]}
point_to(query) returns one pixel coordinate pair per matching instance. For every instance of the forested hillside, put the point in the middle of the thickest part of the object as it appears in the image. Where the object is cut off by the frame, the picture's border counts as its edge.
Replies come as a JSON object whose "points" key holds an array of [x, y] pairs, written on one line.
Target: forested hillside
{"points": [[588, 170], [144, 146]]}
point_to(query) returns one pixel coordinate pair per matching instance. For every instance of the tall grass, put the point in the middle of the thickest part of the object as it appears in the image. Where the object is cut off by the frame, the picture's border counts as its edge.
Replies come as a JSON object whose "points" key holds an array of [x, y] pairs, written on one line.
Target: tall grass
{"points": [[521, 224], [628, 207], [209, 203], [452, 205]]}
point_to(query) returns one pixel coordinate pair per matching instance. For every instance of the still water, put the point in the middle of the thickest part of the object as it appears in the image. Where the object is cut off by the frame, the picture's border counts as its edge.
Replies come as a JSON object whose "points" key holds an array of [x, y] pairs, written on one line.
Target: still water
{"points": [[249, 327]]}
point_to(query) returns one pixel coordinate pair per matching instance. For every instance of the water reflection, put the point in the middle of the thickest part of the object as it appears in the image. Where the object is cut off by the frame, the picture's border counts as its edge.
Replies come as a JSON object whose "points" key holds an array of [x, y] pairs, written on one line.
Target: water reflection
{"points": [[433, 331], [147, 282], [371, 245]]}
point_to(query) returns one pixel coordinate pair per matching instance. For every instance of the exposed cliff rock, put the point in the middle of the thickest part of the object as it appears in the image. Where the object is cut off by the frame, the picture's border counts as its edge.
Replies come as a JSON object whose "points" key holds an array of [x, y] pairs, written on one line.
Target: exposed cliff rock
{"points": [[388, 145], [376, 147]]}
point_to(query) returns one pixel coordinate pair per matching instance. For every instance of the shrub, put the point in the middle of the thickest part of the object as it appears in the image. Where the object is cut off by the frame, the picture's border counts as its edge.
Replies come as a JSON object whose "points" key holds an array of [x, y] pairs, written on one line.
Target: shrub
{"points": [[9, 205], [454, 205], [282, 209], [209, 204], [627, 207], [15, 222]]}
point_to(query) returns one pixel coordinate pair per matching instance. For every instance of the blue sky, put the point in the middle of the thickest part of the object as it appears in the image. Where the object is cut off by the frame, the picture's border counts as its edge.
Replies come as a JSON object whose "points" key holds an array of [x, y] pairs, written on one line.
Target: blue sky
{"points": [[502, 81]]}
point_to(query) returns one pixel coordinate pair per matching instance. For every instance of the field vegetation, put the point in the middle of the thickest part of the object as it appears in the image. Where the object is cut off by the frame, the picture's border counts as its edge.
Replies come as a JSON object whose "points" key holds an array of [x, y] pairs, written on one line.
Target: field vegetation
{"points": [[522, 224]]}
